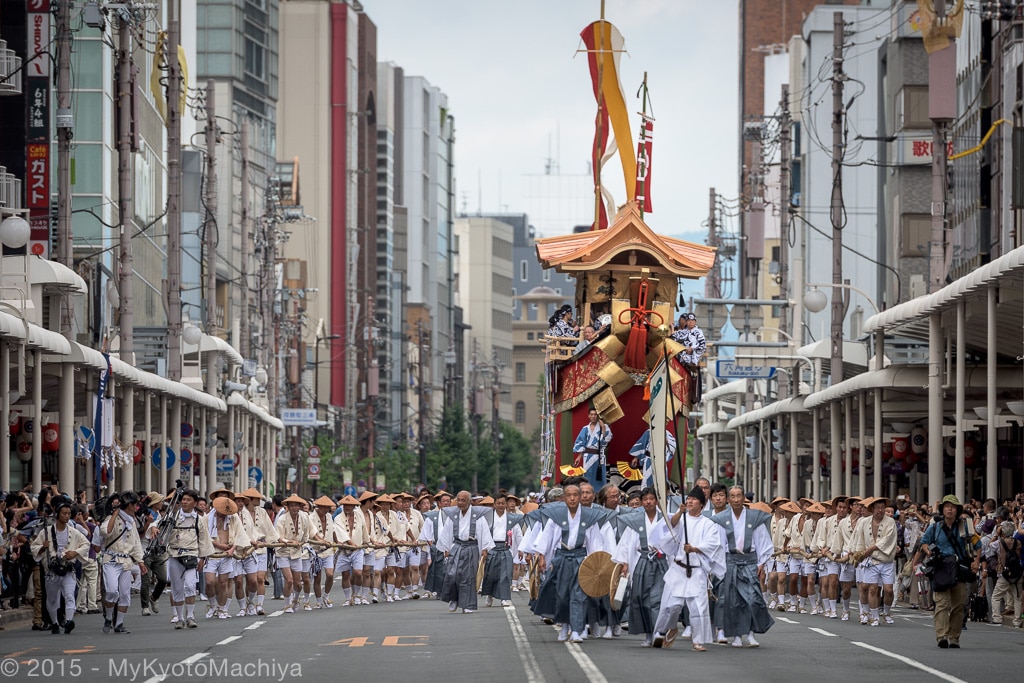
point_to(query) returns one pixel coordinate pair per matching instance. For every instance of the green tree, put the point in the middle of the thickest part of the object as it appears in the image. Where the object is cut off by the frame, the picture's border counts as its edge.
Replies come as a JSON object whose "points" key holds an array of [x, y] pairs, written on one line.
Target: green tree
{"points": [[451, 455]]}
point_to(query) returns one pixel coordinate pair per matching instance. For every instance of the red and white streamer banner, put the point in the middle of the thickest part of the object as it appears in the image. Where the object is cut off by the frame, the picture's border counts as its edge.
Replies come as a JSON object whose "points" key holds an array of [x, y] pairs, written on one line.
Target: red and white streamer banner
{"points": [[643, 164]]}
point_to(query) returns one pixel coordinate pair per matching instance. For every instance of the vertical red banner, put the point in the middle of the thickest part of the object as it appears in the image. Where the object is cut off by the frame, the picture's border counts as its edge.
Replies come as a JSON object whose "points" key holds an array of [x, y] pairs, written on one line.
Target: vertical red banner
{"points": [[37, 104], [643, 164]]}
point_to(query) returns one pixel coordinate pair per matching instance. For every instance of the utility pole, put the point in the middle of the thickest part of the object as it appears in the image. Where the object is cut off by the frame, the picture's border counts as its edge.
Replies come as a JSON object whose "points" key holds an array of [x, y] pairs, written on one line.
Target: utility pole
{"points": [[838, 297], [174, 86], [713, 287], [941, 66], [210, 200], [125, 195], [244, 332], [373, 384], [495, 421], [64, 133], [785, 142], [421, 414]]}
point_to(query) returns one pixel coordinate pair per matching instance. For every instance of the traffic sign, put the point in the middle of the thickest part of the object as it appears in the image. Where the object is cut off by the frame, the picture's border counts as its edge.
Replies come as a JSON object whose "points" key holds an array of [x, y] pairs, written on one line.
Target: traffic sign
{"points": [[312, 471], [728, 369], [255, 476], [225, 466], [313, 451], [158, 457], [350, 490], [298, 417]]}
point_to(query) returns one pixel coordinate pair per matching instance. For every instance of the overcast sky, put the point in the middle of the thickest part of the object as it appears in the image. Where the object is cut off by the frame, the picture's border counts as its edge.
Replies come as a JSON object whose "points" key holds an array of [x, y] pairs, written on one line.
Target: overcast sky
{"points": [[520, 93]]}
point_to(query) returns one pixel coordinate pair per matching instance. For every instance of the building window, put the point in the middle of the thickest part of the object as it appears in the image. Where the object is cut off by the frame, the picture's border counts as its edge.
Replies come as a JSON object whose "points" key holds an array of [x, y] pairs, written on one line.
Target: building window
{"points": [[529, 336], [255, 51], [916, 234], [520, 412], [523, 270], [912, 107], [547, 275], [520, 372]]}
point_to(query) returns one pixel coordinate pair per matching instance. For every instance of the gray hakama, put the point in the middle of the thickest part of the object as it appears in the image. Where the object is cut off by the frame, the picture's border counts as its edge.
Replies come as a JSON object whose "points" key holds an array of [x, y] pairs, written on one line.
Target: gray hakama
{"points": [[435, 573], [645, 589], [459, 583], [498, 573], [740, 604], [561, 598]]}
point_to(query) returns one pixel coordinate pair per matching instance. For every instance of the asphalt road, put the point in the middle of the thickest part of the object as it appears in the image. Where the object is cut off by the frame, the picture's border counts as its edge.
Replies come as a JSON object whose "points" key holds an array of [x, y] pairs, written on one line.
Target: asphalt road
{"points": [[420, 638]]}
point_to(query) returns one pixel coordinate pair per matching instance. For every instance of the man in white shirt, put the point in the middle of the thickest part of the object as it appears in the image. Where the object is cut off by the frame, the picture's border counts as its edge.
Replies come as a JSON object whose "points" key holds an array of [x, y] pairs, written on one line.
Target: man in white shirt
{"points": [[465, 539]]}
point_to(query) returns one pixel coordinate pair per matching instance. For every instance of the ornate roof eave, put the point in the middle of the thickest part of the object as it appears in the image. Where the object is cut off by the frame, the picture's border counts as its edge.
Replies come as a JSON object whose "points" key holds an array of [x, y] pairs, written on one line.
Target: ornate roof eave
{"points": [[593, 250]]}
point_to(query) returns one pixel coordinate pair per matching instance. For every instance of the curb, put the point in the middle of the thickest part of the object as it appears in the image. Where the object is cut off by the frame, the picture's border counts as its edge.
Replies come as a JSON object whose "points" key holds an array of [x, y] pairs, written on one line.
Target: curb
{"points": [[16, 618]]}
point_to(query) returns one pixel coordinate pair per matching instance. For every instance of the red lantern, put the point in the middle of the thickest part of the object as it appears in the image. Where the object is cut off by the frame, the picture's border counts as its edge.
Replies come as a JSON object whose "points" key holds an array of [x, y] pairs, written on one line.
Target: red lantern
{"points": [[887, 449], [51, 437], [14, 423], [970, 453], [900, 447], [137, 452], [730, 469]]}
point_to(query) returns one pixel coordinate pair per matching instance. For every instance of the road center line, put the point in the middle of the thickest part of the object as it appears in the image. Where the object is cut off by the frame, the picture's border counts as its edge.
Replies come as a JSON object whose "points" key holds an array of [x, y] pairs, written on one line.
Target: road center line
{"points": [[254, 626], [276, 614], [788, 621], [590, 669], [823, 632], [185, 662], [530, 666], [911, 662], [229, 639]]}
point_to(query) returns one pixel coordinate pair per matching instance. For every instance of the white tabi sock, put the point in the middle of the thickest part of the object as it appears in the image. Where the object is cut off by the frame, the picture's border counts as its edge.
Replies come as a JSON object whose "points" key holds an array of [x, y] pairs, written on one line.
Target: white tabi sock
{"points": [[190, 611], [259, 600], [179, 611], [846, 604], [327, 595], [874, 614], [347, 592], [250, 599]]}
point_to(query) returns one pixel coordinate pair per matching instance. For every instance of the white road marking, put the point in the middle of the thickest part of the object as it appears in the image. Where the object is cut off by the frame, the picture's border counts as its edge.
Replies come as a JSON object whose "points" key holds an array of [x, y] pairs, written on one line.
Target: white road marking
{"points": [[276, 614], [185, 662], [823, 632], [788, 621], [590, 670], [254, 626], [911, 662], [534, 674], [229, 639]]}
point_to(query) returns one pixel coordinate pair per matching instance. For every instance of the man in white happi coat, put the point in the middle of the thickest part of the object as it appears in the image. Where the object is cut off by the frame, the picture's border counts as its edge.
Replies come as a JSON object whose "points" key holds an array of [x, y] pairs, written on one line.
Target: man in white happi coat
{"points": [[294, 530], [187, 550], [261, 531], [694, 543], [228, 536], [348, 564], [122, 551], [876, 549], [58, 548]]}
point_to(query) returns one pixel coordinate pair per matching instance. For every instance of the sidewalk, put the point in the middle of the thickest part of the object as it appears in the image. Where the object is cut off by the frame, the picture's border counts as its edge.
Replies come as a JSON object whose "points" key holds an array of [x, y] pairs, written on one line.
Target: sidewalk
{"points": [[16, 618]]}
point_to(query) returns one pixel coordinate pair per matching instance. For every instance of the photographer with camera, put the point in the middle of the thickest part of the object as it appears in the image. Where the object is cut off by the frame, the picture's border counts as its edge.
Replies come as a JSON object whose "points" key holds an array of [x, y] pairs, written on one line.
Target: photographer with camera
{"points": [[947, 546], [58, 548], [122, 550]]}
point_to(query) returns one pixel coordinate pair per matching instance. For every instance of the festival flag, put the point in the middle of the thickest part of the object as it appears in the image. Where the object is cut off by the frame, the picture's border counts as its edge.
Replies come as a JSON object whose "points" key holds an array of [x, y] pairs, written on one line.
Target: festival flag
{"points": [[643, 164], [659, 415], [604, 44]]}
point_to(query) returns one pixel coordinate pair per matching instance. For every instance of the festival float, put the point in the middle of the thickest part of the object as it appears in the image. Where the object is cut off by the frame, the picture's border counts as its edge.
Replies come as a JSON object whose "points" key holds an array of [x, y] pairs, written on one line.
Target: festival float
{"points": [[627, 280]]}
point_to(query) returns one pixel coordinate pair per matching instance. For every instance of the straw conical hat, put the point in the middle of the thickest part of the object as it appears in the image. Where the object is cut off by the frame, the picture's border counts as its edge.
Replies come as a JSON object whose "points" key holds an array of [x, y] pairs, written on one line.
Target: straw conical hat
{"points": [[595, 574]]}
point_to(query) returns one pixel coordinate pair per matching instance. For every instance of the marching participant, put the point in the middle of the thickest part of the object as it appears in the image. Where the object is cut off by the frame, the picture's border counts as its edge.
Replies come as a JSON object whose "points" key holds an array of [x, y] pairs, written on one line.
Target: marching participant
{"points": [[394, 530], [506, 534], [812, 518], [465, 539], [293, 529], [377, 535], [261, 531], [794, 544], [695, 545], [325, 530], [57, 548], [748, 551], [842, 549], [644, 563], [348, 563], [228, 536], [418, 556], [122, 550], [429, 534], [569, 533], [187, 549], [777, 530], [824, 536], [876, 540]]}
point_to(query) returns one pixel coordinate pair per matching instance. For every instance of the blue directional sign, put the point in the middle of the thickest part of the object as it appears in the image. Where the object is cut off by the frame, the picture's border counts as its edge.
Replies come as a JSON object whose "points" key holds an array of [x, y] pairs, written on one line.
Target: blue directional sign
{"points": [[728, 369], [255, 476]]}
